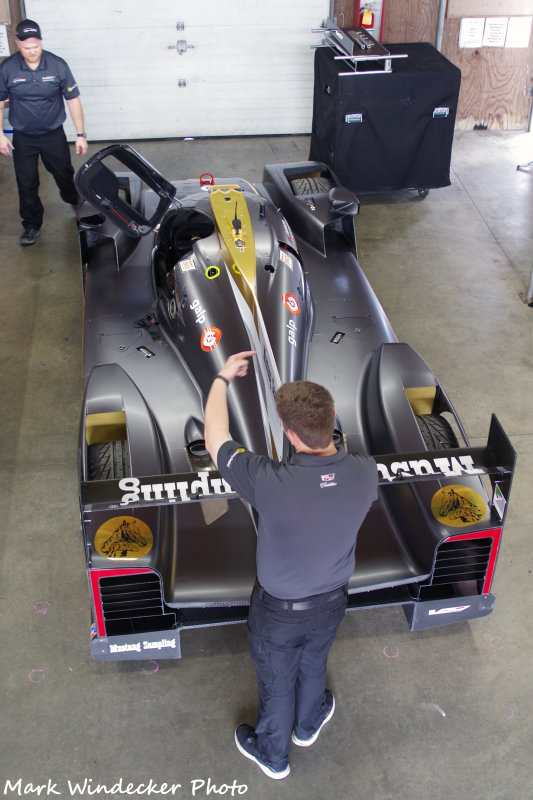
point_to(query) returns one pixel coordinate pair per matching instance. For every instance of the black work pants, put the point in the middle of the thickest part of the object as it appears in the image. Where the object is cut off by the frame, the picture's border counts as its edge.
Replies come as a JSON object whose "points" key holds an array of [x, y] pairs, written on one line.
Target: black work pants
{"points": [[289, 650], [54, 151]]}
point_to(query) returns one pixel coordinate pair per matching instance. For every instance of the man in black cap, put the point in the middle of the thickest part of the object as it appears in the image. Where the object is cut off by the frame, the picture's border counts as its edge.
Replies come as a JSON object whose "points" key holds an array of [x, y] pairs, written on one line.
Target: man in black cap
{"points": [[36, 81]]}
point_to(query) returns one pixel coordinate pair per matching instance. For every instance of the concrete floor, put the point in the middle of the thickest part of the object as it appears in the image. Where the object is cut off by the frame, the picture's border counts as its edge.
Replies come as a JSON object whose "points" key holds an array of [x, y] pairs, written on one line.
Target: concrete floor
{"points": [[450, 715]]}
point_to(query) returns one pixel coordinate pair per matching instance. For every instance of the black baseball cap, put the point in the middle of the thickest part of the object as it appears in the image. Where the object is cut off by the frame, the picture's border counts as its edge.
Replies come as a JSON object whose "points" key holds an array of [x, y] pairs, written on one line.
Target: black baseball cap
{"points": [[27, 29]]}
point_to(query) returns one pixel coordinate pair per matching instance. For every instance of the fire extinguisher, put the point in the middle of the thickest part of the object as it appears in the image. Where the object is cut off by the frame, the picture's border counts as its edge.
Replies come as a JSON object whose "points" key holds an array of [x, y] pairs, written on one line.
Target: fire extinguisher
{"points": [[366, 18]]}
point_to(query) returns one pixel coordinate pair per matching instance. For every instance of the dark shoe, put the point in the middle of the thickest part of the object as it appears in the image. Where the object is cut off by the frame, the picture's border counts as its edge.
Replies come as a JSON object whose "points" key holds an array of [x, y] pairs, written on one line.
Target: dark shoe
{"points": [[29, 235], [246, 742], [330, 710]]}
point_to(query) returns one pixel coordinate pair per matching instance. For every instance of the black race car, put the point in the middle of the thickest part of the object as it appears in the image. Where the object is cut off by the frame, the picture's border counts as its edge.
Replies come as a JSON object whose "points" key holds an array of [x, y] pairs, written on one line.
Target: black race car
{"points": [[177, 276]]}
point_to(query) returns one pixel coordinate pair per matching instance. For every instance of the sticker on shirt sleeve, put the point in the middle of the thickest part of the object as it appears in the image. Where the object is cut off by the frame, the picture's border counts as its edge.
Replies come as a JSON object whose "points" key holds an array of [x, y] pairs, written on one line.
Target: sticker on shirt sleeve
{"points": [[239, 450], [123, 537], [458, 506], [188, 265], [285, 258], [210, 339], [291, 303]]}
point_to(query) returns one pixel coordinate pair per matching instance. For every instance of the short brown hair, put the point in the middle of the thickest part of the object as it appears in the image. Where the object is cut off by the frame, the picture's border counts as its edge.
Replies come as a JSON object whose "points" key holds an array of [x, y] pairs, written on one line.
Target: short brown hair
{"points": [[307, 409]]}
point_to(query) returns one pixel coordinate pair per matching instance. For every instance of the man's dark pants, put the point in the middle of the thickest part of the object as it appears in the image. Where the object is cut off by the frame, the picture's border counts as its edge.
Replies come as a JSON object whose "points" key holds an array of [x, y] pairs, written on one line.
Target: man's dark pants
{"points": [[54, 151], [289, 650]]}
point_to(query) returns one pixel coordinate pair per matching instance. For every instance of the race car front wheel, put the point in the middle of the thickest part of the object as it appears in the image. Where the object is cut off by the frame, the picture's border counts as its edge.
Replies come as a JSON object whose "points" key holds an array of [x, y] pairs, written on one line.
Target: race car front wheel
{"points": [[107, 460], [437, 432]]}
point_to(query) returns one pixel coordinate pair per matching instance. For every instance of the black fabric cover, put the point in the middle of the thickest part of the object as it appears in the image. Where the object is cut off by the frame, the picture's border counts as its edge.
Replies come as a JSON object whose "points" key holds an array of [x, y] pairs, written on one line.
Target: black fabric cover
{"points": [[399, 144]]}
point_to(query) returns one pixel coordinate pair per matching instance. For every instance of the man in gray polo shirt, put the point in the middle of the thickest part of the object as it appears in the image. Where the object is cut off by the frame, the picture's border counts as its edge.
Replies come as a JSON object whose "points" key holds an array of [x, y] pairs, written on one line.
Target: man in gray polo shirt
{"points": [[309, 512], [37, 82]]}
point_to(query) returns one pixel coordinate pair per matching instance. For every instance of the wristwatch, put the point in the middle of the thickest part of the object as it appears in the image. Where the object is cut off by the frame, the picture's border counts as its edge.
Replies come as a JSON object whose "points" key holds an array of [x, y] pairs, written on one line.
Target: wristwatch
{"points": [[82, 134]]}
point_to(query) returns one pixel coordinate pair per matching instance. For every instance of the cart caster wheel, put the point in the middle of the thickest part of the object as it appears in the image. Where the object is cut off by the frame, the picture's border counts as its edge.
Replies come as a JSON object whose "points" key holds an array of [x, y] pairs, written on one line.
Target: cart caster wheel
{"points": [[423, 193]]}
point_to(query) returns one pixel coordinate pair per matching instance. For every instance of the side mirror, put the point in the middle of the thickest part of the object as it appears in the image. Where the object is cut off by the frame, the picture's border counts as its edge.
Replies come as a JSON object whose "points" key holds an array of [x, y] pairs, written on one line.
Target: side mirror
{"points": [[343, 202]]}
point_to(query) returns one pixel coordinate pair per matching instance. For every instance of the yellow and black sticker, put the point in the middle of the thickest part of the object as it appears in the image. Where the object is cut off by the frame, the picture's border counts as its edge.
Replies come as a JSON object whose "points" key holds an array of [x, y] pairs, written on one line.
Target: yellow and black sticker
{"points": [[458, 506], [123, 537]]}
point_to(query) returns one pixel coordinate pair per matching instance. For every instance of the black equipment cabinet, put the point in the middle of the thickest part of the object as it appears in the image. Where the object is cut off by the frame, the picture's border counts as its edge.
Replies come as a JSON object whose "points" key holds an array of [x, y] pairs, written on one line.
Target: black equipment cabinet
{"points": [[387, 131]]}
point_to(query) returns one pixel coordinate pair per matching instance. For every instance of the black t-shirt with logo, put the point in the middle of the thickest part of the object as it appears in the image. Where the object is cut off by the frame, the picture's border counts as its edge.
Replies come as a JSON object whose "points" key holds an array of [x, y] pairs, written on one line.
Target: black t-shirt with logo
{"points": [[36, 95], [310, 510]]}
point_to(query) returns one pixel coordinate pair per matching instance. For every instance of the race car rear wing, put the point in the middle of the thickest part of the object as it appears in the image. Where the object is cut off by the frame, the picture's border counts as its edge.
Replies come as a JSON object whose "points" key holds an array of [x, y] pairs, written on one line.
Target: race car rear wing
{"points": [[497, 460]]}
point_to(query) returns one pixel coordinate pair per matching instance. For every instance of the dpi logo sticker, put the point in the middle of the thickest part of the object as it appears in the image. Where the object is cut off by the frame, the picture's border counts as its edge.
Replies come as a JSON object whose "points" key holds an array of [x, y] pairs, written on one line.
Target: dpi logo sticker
{"points": [[210, 339], [291, 303]]}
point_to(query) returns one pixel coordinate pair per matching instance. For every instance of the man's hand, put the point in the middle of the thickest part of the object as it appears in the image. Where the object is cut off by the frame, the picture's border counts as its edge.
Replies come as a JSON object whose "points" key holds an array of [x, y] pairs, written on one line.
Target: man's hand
{"points": [[5, 145], [237, 365], [81, 145]]}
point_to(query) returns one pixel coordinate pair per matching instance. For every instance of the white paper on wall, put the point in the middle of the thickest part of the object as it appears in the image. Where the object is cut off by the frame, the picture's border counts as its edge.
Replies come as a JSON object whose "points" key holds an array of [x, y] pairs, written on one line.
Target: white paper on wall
{"points": [[495, 31], [471, 32], [518, 32], [4, 43]]}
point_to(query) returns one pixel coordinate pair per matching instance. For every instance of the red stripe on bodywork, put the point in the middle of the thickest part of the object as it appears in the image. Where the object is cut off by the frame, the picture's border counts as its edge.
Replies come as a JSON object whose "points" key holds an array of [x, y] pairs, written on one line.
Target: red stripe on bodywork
{"points": [[128, 223], [495, 534], [95, 576]]}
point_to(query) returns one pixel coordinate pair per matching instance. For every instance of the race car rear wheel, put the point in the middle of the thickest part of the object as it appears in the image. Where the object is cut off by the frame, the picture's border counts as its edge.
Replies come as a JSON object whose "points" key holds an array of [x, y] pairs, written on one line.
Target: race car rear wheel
{"points": [[311, 185], [107, 460], [437, 432]]}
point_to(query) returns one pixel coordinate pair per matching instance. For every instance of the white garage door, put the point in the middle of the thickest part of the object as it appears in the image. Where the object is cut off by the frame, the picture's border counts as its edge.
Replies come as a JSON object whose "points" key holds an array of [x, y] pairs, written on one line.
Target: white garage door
{"points": [[237, 67]]}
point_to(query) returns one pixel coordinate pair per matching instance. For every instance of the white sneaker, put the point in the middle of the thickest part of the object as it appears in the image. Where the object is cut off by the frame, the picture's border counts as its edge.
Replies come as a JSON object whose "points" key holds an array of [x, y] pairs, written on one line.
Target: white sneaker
{"points": [[330, 701]]}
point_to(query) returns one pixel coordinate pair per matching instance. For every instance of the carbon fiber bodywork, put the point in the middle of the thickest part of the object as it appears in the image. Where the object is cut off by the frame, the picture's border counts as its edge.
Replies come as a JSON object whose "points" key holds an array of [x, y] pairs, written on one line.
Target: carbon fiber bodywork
{"points": [[177, 276]]}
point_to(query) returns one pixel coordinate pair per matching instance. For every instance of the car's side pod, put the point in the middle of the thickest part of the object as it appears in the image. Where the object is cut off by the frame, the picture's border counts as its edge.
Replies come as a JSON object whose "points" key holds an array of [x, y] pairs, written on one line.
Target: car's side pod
{"points": [[313, 201]]}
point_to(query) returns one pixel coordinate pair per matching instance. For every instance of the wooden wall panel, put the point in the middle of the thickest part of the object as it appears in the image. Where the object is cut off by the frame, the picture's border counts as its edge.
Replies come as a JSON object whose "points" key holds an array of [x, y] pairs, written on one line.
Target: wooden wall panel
{"points": [[495, 80], [344, 13], [5, 18], [413, 21], [494, 83], [14, 13], [488, 8]]}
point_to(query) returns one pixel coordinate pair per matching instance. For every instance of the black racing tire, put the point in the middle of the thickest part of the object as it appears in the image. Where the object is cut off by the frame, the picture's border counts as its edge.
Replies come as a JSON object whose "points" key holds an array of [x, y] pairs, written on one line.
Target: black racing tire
{"points": [[302, 186], [106, 460], [437, 432]]}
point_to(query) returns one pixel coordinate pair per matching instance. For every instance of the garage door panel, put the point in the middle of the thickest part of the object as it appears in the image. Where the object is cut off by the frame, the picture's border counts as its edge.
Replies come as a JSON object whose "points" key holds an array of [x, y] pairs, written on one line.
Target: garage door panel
{"points": [[159, 14], [236, 70], [248, 68], [195, 112], [133, 59]]}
